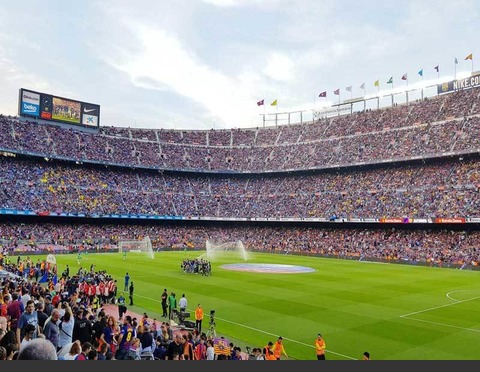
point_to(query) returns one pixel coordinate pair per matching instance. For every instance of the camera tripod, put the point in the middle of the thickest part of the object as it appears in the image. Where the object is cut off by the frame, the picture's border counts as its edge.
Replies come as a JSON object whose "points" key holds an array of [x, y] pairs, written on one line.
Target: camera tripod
{"points": [[211, 330]]}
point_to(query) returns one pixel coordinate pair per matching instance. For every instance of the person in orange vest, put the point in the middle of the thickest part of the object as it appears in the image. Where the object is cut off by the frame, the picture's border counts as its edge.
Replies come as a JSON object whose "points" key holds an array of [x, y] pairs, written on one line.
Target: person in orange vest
{"points": [[268, 352], [320, 347], [198, 318], [278, 348]]}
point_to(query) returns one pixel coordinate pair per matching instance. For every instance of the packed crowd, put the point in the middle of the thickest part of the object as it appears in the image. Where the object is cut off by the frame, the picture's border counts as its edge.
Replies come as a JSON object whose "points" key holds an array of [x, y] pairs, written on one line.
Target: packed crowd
{"points": [[446, 189], [433, 126], [446, 248], [72, 319]]}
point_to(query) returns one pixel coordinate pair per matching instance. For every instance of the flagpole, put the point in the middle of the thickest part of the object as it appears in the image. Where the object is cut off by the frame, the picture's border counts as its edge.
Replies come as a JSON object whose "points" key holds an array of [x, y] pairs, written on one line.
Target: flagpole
{"points": [[264, 115], [276, 115], [423, 85], [455, 66], [406, 92], [392, 94], [364, 96]]}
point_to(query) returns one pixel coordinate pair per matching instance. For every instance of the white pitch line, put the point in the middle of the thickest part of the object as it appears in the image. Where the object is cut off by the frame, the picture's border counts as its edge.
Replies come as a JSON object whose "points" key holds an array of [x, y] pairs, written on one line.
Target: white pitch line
{"points": [[460, 290], [438, 307], [261, 331], [456, 302], [445, 325]]}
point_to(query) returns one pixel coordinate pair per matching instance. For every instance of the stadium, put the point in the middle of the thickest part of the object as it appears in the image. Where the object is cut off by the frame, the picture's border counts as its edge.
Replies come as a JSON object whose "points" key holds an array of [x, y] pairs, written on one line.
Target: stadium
{"points": [[351, 204], [356, 223]]}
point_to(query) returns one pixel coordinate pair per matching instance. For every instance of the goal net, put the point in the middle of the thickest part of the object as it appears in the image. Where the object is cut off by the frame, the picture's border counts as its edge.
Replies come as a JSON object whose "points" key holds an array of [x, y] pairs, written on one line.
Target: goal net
{"points": [[215, 250], [139, 246]]}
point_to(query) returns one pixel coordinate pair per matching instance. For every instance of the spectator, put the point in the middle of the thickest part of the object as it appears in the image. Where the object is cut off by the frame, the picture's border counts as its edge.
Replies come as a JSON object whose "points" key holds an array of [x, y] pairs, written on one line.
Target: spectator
{"points": [[86, 347], [70, 351], [51, 330], [65, 326], [28, 335], [38, 349], [82, 328]]}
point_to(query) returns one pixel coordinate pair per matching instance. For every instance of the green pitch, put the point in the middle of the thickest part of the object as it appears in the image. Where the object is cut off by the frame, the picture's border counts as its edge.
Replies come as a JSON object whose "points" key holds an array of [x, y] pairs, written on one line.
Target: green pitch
{"points": [[396, 312]]}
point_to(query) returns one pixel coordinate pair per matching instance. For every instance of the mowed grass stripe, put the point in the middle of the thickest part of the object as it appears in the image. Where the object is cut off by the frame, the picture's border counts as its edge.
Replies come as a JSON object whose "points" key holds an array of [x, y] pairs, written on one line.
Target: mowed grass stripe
{"points": [[357, 306]]}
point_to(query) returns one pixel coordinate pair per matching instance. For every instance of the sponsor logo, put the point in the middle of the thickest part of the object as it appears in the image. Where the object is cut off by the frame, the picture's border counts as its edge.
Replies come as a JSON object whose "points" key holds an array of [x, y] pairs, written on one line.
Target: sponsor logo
{"points": [[46, 115], [90, 120], [28, 108], [450, 220], [30, 97], [89, 110], [394, 220]]}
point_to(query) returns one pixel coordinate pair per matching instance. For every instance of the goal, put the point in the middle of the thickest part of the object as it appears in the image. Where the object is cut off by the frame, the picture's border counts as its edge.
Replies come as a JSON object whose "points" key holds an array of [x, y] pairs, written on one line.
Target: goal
{"points": [[139, 246], [214, 250]]}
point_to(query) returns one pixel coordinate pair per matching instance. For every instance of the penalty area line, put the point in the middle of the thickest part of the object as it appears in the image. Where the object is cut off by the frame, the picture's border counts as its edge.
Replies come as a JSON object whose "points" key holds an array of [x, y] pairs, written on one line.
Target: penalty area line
{"points": [[456, 302]]}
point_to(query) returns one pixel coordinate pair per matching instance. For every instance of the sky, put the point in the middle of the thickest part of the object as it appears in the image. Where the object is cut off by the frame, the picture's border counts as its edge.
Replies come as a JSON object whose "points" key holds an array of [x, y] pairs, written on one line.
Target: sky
{"points": [[204, 64]]}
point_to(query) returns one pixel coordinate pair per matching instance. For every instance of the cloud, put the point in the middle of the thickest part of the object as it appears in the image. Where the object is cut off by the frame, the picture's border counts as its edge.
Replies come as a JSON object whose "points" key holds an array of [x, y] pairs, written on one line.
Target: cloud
{"points": [[266, 4], [223, 3], [203, 62], [14, 77], [161, 62], [280, 67]]}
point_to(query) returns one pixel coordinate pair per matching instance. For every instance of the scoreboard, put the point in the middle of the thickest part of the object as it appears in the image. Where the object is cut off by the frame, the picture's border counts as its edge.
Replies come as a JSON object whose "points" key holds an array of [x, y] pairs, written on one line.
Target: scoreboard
{"points": [[58, 109]]}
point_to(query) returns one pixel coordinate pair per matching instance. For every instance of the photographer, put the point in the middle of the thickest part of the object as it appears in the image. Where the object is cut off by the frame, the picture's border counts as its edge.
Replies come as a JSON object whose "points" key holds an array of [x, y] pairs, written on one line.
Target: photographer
{"points": [[65, 325]]}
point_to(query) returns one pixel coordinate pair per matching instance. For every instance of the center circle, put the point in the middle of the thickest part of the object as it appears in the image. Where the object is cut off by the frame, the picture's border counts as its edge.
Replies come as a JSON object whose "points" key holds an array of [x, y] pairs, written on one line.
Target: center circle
{"points": [[268, 268]]}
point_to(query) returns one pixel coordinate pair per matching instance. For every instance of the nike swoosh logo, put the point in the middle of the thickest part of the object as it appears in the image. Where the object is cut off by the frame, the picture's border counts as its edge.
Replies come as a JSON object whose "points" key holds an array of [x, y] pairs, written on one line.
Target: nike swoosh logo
{"points": [[89, 110]]}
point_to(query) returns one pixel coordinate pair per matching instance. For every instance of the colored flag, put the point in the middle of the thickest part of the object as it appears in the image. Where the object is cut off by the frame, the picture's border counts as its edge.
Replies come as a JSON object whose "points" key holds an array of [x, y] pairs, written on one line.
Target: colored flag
{"points": [[404, 77], [336, 92], [362, 86], [44, 278], [348, 89], [470, 57], [260, 103], [55, 279], [420, 72], [323, 94], [377, 83], [437, 68], [456, 61], [274, 103], [390, 81]]}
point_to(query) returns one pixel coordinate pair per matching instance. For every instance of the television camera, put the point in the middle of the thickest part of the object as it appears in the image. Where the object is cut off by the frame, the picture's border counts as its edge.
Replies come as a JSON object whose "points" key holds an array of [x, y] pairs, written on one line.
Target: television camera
{"points": [[212, 326], [181, 315]]}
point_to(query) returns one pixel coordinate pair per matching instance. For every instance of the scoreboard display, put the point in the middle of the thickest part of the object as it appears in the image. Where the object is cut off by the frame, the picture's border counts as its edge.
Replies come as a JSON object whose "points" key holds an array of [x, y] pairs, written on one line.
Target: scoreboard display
{"points": [[58, 109]]}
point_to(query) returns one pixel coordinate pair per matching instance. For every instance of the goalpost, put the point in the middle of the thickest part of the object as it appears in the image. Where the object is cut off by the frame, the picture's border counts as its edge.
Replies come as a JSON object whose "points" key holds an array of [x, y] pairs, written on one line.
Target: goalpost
{"points": [[139, 246], [214, 250]]}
